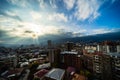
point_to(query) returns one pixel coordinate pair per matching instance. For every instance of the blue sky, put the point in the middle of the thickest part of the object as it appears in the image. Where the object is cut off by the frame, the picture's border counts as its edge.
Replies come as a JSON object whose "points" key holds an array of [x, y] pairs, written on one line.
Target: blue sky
{"points": [[29, 21]]}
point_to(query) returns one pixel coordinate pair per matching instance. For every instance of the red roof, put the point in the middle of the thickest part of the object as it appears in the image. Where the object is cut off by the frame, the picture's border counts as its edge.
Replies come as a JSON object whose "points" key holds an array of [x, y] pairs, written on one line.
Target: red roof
{"points": [[70, 69], [78, 77], [98, 53], [17, 70]]}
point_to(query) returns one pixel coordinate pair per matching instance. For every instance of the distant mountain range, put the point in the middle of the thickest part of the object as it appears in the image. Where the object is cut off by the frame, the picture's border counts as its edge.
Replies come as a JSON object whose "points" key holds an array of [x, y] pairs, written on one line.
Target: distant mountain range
{"points": [[115, 36]]}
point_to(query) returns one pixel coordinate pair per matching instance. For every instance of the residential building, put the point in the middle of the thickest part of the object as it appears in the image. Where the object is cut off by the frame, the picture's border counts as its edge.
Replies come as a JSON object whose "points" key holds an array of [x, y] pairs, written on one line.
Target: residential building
{"points": [[69, 46], [115, 65], [98, 64], [40, 74], [71, 58], [108, 47]]}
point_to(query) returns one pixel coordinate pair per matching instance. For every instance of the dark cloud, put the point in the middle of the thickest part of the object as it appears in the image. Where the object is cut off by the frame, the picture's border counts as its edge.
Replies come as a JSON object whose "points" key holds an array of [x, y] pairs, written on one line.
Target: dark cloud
{"points": [[28, 31], [70, 34], [117, 30], [5, 36], [3, 33], [20, 26]]}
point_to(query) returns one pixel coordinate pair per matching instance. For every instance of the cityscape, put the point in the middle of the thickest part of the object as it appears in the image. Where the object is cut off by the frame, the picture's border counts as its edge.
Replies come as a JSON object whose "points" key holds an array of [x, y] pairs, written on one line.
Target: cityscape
{"points": [[59, 39], [67, 61]]}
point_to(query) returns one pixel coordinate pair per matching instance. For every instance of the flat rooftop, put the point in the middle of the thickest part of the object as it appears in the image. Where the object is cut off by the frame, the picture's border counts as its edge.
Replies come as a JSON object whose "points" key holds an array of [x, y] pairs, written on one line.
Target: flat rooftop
{"points": [[114, 54], [55, 73], [69, 52]]}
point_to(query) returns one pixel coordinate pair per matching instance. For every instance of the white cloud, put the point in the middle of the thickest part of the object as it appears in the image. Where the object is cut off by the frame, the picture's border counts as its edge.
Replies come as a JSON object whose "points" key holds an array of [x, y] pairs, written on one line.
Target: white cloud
{"points": [[39, 29], [87, 9], [102, 31], [42, 4], [79, 33], [10, 13], [36, 15], [22, 3], [53, 3], [31, 29], [7, 23], [3, 19], [57, 17], [50, 18], [69, 3]]}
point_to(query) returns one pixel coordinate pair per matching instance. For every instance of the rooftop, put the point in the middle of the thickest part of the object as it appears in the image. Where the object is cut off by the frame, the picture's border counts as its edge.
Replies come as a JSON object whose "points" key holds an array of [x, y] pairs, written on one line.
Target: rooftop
{"points": [[41, 73], [56, 73], [115, 54], [69, 52], [14, 72], [78, 77], [45, 65]]}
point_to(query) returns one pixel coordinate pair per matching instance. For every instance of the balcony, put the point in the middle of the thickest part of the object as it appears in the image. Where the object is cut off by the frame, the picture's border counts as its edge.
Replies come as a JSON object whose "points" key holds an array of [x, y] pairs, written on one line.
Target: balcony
{"points": [[117, 68], [117, 65]]}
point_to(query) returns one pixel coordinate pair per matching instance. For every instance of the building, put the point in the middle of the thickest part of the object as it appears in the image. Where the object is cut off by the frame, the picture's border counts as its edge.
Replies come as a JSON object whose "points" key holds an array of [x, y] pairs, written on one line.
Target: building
{"points": [[76, 76], [12, 74], [54, 57], [40, 74], [49, 42], [115, 65], [70, 58], [69, 46], [118, 48], [99, 64], [108, 47], [106, 69], [102, 66], [55, 74], [88, 60], [91, 47], [44, 65]]}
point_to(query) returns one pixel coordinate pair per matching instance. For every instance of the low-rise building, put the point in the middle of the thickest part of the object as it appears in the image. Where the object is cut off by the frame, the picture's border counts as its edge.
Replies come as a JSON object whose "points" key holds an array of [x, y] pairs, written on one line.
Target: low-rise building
{"points": [[55, 74], [13, 74], [76, 76], [40, 74]]}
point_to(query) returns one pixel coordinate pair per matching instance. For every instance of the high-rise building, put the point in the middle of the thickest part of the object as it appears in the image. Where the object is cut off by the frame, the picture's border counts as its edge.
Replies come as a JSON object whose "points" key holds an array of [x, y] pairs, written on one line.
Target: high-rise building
{"points": [[54, 55], [69, 46], [99, 64], [115, 65], [70, 58], [118, 48], [49, 42]]}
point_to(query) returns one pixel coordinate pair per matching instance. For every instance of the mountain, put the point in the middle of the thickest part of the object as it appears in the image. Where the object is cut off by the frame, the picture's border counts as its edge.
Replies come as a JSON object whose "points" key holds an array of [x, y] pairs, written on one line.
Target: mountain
{"points": [[115, 36]]}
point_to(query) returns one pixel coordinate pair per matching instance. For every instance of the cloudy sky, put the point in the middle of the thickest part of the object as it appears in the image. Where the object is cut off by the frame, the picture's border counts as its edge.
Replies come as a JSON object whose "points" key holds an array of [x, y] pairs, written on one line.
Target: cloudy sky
{"points": [[31, 21]]}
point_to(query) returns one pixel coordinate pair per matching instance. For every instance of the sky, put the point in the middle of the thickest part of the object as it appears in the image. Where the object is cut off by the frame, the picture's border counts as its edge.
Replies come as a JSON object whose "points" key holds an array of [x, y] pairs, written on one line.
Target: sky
{"points": [[33, 21]]}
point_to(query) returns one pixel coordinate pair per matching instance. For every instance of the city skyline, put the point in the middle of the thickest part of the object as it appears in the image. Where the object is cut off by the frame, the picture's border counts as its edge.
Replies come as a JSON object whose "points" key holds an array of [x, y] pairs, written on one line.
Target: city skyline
{"points": [[31, 21]]}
